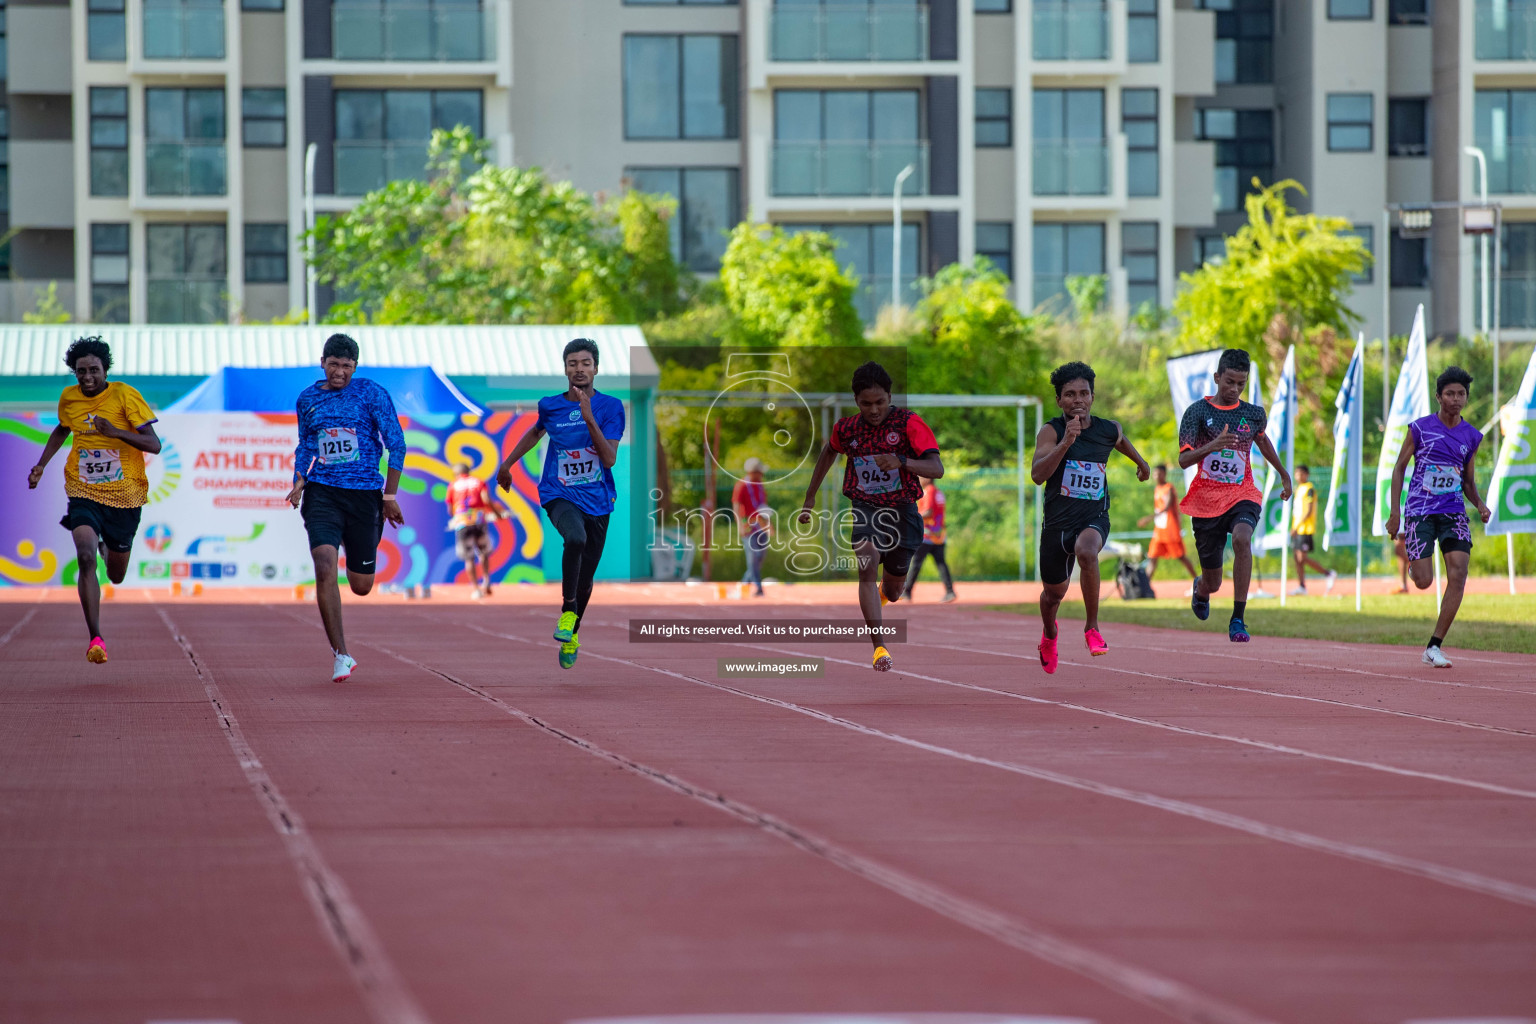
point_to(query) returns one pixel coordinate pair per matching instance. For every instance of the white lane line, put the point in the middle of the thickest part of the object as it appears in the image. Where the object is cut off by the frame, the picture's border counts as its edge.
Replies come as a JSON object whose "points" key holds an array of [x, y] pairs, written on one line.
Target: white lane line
{"points": [[6, 638], [362, 954], [1456, 877], [1170, 996]]}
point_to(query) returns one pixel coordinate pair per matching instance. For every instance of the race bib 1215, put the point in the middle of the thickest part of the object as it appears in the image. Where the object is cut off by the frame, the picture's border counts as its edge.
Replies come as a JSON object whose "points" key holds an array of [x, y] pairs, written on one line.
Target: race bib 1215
{"points": [[337, 445]]}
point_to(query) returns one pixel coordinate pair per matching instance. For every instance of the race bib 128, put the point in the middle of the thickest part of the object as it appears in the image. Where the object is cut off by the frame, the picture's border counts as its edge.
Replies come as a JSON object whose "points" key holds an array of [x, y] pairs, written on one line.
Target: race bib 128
{"points": [[1441, 479]]}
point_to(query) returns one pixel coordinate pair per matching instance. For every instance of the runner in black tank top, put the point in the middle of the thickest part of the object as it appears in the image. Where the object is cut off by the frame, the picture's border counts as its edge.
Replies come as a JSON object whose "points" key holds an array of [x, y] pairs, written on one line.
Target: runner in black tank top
{"points": [[1070, 457]]}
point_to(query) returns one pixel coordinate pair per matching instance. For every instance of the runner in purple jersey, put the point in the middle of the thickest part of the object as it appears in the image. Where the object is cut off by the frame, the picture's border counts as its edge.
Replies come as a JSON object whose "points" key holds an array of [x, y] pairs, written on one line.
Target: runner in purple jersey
{"points": [[1442, 447]]}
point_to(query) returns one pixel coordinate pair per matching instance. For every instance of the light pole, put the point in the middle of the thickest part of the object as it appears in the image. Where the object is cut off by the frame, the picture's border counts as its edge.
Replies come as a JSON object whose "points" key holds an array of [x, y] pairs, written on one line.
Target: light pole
{"points": [[310, 153], [901, 178]]}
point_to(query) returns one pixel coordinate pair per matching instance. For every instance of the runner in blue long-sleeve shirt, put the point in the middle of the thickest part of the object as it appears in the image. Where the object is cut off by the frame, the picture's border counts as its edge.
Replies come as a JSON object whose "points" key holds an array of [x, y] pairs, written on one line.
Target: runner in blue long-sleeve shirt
{"points": [[345, 425]]}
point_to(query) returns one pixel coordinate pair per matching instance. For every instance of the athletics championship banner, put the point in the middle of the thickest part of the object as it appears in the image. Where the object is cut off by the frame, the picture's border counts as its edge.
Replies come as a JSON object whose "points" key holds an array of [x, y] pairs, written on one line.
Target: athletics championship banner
{"points": [[1410, 401], [1512, 495], [1280, 428], [1341, 524], [218, 513]]}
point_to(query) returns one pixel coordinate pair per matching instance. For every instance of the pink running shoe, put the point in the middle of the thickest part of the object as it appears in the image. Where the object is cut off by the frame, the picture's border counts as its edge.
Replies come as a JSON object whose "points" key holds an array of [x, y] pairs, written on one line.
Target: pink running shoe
{"points": [[1095, 641], [1047, 651]]}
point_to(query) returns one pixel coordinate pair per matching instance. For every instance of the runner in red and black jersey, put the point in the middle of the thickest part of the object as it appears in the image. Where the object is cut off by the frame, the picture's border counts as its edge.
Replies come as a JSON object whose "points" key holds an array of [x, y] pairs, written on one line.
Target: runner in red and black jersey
{"points": [[887, 449], [1218, 433]]}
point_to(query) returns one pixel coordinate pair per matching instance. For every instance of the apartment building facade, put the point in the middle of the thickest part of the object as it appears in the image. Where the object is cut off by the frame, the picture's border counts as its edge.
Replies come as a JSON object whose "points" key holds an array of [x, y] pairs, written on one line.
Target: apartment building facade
{"points": [[157, 147]]}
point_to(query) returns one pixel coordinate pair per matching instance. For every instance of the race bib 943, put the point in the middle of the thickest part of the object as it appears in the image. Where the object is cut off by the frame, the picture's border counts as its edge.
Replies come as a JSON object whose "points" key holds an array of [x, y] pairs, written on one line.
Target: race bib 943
{"points": [[100, 465], [580, 466], [336, 445], [1082, 480], [1441, 479], [874, 480], [1227, 466]]}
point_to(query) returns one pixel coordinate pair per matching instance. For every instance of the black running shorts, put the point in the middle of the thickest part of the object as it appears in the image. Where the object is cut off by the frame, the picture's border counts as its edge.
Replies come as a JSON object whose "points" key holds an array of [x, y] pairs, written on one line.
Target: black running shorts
{"points": [[1058, 546], [895, 530], [1211, 532], [1452, 529], [115, 526], [340, 517]]}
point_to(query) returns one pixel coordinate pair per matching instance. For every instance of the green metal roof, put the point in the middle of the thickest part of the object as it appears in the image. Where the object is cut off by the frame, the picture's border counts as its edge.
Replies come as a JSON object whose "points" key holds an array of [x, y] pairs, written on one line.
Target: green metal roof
{"points": [[518, 351]]}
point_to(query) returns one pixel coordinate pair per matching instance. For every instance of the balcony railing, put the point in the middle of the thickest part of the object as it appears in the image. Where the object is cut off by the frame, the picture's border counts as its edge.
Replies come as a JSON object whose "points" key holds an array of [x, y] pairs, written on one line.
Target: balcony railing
{"points": [[855, 168], [187, 302], [183, 29], [1506, 30], [874, 294], [1511, 165], [424, 32], [1517, 299], [851, 32], [1071, 168], [184, 169], [363, 166], [1071, 30]]}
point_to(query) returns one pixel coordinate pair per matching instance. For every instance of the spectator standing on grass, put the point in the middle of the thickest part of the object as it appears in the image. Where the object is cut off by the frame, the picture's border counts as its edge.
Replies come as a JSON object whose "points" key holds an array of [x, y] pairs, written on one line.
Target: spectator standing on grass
{"points": [[1304, 532], [750, 500], [1167, 526]]}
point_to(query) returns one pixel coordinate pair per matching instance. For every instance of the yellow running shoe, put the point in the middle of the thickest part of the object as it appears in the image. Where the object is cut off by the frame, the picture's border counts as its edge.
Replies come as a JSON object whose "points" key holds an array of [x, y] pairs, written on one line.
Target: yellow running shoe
{"points": [[882, 660], [568, 651], [566, 628]]}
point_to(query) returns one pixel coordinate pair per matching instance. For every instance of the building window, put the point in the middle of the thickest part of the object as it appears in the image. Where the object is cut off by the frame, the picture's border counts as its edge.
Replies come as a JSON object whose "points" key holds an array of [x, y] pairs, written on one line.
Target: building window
{"points": [[1062, 251], [1366, 234], [109, 142], [382, 135], [994, 240], [1349, 10], [1349, 122], [1138, 119], [106, 30], [187, 270], [1408, 127], [266, 253], [1244, 41], [1138, 255], [1244, 150], [1409, 12], [865, 250], [1517, 277], [261, 5], [263, 118], [994, 117], [1410, 262], [1141, 31], [1504, 127], [708, 206], [846, 142], [677, 3], [4, 72], [1210, 249], [1071, 154], [183, 29], [109, 273], [994, 6], [5, 161], [680, 87], [184, 142]]}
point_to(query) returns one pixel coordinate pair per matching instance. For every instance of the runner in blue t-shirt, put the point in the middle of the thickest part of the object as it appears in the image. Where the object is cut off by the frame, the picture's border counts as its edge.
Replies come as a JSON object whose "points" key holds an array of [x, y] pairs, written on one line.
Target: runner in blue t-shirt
{"points": [[576, 487]]}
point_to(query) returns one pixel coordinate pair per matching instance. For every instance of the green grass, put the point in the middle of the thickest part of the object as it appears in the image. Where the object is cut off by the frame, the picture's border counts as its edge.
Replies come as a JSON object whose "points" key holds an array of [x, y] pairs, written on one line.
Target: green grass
{"points": [[1486, 622]]}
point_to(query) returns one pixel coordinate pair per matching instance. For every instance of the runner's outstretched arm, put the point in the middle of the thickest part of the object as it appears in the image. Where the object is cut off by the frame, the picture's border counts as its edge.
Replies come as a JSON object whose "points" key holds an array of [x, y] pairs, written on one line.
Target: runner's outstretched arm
{"points": [[1267, 448], [523, 447], [1398, 472], [1050, 450], [1469, 488], [1124, 447], [50, 449], [388, 425], [824, 462]]}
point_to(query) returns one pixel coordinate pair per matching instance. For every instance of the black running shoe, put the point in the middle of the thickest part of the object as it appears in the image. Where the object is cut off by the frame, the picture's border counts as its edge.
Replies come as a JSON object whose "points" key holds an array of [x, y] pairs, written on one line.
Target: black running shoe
{"points": [[1201, 606]]}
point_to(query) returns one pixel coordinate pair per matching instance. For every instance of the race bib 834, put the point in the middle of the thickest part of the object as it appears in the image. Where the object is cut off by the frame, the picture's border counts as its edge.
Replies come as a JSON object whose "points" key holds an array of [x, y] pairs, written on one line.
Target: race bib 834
{"points": [[1228, 466]]}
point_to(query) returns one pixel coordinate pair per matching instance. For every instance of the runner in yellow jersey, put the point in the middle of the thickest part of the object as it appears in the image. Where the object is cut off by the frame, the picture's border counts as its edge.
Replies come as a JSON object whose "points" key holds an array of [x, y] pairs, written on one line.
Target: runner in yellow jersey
{"points": [[104, 477], [1304, 532]]}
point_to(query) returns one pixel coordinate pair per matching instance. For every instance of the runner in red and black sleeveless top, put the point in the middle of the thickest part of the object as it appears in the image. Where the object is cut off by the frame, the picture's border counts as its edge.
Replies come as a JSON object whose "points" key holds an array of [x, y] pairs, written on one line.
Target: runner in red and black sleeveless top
{"points": [[887, 449]]}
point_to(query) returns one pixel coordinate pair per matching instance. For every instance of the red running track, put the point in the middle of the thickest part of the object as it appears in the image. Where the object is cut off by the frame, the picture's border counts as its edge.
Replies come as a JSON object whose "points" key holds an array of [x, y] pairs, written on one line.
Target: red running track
{"points": [[207, 829]]}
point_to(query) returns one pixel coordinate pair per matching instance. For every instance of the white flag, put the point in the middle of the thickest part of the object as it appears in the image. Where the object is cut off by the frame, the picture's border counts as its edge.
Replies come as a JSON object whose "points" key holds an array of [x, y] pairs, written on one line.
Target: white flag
{"points": [[1512, 495], [1280, 428], [1340, 520], [1410, 401]]}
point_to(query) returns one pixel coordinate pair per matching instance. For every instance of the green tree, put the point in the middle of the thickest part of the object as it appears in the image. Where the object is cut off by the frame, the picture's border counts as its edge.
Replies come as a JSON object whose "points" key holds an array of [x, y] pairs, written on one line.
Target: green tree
{"points": [[787, 289], [477, 243], [49, 310], [1285, 273]]}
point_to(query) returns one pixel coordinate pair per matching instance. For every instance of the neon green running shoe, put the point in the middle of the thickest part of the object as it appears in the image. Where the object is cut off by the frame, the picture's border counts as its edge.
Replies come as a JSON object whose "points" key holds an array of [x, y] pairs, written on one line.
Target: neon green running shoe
{"points": [[568, 651], [566, 627]]}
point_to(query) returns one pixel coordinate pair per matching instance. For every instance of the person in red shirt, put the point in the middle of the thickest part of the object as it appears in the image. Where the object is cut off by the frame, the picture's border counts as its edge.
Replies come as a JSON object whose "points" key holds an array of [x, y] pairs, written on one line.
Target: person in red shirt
{"points": [[471, 507], [750, 500], [931, 507], [887, 449]]}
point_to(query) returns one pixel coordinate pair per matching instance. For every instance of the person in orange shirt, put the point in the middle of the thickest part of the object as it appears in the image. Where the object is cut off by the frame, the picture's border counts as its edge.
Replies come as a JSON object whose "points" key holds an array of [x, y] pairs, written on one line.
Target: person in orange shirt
{"points": [[750, 500], [1167, 525], [931, 507], [471, 507], [104, 478]]}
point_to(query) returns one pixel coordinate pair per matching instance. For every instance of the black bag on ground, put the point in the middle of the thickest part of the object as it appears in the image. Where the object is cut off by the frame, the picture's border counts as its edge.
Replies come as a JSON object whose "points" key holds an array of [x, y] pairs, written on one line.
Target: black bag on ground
{"points": [[1132, 581]]}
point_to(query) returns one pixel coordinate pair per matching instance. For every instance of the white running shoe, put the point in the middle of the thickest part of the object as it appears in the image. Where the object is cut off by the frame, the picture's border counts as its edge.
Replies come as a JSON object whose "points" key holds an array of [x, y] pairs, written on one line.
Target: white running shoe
{"points": [[1434, 656], [343, 667], [1333, 578], [1298, 591]]}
